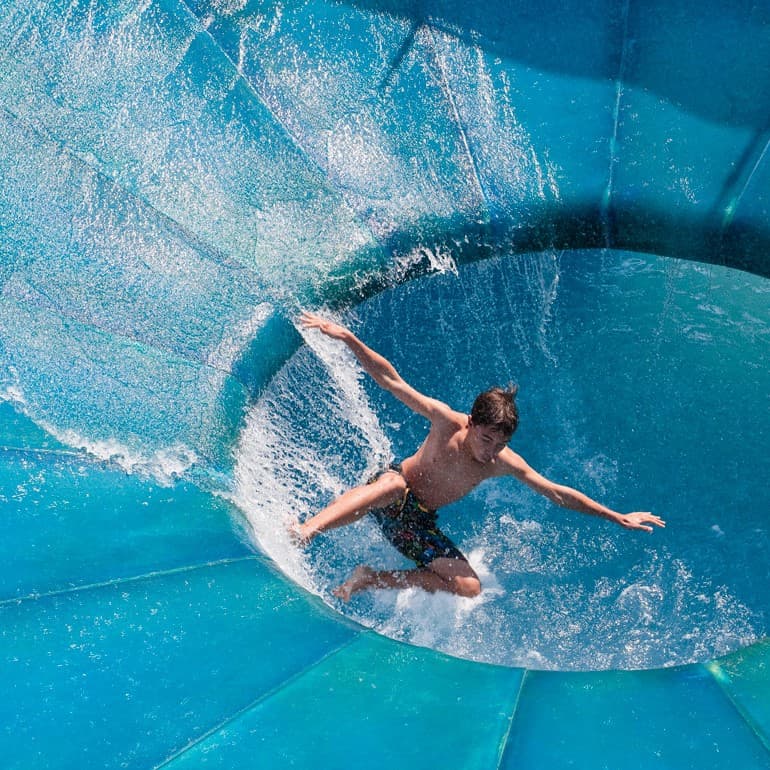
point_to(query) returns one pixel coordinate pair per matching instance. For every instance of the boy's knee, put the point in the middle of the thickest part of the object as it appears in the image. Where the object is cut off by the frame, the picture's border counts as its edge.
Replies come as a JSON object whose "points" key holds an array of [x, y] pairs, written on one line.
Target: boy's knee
{"points": [[469, 587], [392, 483]]}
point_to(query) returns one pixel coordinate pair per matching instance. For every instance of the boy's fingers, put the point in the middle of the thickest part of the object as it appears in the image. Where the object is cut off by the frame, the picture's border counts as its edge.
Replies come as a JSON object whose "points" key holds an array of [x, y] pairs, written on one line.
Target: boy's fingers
{"points": [[309, 320]]}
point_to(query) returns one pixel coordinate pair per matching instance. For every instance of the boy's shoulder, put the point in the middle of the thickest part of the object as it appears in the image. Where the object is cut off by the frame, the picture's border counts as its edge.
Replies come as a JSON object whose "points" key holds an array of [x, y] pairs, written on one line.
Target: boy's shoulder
{"points": [[451, 417], [509, 463]]}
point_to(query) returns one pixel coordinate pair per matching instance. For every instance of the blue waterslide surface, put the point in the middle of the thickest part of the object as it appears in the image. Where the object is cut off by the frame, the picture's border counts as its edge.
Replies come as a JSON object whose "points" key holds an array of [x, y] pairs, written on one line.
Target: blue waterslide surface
{"points": [[177, 180]]}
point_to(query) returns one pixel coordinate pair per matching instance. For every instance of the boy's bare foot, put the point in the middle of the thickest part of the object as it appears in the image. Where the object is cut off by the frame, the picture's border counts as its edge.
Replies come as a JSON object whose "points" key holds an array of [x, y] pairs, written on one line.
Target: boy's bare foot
{"points": [[361, 578]]}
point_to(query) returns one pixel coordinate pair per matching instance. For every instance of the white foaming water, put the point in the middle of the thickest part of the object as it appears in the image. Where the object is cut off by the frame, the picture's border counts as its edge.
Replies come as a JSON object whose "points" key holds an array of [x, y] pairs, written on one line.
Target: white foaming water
{"points": [[439, 260], [165, 465], [13, 394], [281, 474], [441, 621], [352, 401]]}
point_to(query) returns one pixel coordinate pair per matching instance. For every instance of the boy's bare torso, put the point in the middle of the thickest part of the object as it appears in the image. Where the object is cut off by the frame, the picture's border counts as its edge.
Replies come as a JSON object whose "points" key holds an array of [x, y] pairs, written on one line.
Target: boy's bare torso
{"points": [[444, 468]]}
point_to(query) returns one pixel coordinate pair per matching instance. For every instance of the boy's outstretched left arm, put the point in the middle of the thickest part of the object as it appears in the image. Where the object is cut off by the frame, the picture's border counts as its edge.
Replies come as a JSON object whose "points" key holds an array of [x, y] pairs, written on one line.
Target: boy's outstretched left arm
{"points": [[575, 500]]}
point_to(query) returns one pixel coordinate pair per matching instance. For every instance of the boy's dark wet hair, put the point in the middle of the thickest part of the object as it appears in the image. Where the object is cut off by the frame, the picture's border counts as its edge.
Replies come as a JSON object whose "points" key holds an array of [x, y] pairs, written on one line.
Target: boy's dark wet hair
{"points": [[496, 408]]}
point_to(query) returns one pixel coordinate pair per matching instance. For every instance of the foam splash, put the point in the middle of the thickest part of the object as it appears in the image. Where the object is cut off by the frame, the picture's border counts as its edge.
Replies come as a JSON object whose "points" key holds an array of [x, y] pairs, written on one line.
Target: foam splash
{"points": [[351, 401], [436, 260], [281, 473], [441, 621], [165, 465], [13, 394]]}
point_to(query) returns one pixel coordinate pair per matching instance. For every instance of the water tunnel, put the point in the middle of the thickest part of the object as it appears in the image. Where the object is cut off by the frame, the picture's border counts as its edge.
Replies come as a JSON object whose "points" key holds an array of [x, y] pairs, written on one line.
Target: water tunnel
{"points": [[572, 196]]}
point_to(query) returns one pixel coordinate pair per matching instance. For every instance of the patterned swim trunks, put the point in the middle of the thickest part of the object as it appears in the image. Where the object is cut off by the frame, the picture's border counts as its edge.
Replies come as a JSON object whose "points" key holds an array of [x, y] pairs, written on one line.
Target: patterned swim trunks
{"points": [[412, 530]]}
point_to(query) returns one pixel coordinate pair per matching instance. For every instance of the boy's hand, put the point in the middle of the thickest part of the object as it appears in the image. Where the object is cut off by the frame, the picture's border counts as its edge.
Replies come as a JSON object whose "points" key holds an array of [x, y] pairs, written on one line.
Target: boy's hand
{"points": [[640, 520], [329, 328]]}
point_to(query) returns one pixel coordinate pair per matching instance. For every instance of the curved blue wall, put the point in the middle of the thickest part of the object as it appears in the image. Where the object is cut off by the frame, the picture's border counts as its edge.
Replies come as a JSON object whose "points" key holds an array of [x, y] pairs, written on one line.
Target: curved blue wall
{"points": [[176, 181]]}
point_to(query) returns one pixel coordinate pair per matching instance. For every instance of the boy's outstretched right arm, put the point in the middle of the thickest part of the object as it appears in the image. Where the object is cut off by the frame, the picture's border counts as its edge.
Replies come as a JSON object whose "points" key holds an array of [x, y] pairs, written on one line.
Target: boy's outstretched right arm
{"points": [[377, 366]]}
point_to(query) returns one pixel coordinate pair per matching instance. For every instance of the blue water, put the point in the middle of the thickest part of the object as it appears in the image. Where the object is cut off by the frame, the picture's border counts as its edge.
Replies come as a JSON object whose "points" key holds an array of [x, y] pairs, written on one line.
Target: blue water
{"points": [[179, 179], [562, 591]]}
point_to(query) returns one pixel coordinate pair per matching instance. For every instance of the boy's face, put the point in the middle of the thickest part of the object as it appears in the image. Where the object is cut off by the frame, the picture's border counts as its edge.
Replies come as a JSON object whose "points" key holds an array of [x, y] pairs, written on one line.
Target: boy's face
{"points": [[486, 442]]}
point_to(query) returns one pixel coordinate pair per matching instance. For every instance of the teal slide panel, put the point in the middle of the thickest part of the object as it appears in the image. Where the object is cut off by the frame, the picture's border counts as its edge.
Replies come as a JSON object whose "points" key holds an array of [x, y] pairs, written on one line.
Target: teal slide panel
{"points": [[71, 522], [708, 58], [135, 274], [749, 210], [745, 677], [113, 388], [635, 720], [148, 99], [683, 214], [369, 107], [124, 675], [511, 106], [697, 143], [389, 706]]}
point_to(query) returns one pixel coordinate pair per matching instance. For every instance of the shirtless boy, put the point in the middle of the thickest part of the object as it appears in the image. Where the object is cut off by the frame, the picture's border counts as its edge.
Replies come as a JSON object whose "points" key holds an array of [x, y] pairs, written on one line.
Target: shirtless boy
{"points": [[459, 453]]}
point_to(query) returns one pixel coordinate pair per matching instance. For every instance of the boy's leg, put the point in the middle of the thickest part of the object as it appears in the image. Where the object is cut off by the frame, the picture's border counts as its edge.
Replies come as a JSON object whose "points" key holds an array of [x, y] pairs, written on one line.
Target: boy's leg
{"points": [[458, 574], [353, 504], [364, 577], [451, 575]]}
